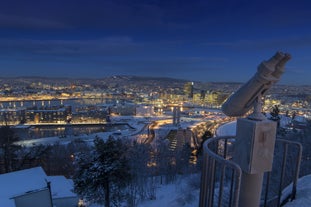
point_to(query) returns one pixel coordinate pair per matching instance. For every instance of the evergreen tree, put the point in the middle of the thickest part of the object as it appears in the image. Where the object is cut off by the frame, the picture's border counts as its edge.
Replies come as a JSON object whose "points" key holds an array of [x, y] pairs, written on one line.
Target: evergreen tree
{"points": [[103, 173], [207, 135], [275, 113]]}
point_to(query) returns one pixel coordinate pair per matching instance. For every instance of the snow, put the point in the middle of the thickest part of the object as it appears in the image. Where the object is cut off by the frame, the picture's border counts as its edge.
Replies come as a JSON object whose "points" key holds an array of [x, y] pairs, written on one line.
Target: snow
{"points": [[61, 187], [169, 195], [54, 140], [300, 119], [228, 129], [33, 179], [174, 195], [137, 125], [15, 183], [303, 196], [180, 194]]}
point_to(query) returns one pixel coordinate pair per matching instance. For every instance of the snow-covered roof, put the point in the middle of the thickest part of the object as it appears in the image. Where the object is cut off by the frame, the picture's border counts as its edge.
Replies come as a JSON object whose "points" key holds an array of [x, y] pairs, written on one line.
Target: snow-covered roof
{"points": [[301, 119], [61, 187], [30, 180], [20, 182]]}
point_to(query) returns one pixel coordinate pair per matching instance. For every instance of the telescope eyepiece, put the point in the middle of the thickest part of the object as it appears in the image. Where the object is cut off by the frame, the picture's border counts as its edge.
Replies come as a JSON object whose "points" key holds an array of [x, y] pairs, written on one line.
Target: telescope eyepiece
{"points": [[268, 73]]}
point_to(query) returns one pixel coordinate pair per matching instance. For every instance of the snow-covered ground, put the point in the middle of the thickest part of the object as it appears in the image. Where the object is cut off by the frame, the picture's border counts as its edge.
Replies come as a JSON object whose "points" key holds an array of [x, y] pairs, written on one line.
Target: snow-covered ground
{"points": [[174, 196], [169, 195], [184, 193], [303, 196], [137, 124], [180, 194]]}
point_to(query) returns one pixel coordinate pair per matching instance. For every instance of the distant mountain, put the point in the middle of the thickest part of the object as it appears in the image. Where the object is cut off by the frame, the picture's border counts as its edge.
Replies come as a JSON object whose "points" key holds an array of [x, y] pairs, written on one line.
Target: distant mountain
{"points": [[125, 82], [111, 81]]}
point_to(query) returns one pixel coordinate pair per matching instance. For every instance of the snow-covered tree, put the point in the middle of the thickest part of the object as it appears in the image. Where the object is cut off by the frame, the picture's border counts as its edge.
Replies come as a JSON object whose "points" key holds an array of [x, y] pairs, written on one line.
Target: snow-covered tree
{"points": [[102, 173]]}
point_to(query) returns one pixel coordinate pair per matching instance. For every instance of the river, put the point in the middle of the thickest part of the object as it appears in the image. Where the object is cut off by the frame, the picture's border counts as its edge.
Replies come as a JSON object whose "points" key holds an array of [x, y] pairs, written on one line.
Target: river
{"points": [[40, 131]]}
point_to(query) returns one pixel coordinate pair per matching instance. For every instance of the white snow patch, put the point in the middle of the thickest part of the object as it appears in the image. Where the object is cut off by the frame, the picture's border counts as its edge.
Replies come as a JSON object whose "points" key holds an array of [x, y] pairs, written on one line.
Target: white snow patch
{"points": [[303, 196], [228, 129]]}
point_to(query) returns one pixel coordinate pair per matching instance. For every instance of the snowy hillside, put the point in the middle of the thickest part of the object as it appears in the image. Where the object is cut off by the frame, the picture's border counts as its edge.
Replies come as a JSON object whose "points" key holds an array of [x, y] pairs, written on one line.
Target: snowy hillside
{"points": [[174, 195]]}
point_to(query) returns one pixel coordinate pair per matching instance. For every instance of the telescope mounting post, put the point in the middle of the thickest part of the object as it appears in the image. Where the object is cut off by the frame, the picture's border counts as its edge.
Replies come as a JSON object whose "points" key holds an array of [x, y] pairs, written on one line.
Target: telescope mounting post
{"points": [[255, 135], [257, 112]]}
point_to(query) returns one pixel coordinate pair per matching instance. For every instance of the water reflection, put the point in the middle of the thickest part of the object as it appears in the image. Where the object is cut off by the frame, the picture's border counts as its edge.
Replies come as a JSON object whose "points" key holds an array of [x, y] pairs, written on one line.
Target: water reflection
{"points": [[74, 102], [40, 131]]}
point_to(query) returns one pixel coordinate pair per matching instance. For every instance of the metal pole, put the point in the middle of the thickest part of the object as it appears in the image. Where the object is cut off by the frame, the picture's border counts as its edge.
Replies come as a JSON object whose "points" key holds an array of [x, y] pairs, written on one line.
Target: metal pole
{"points": [[250, 193], [254, 153]]}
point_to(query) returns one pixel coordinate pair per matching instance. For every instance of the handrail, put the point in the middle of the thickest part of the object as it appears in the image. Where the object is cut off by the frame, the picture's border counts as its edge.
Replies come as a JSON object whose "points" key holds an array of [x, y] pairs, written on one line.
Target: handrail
{"points": [[208, 179], [281, 185], [216, 157]]}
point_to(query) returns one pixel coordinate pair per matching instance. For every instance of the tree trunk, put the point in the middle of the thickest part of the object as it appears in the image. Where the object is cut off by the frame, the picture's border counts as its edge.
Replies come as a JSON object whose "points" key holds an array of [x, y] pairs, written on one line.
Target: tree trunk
{"points": [[7, 159], [107, 194]]}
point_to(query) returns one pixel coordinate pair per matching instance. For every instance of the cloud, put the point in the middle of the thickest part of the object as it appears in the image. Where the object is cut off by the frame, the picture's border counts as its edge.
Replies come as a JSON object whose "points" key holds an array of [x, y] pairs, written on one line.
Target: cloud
{"points": [[58, 14], [166, 66], [24, 22], [120, 54], [110, 46], [254, 44], [295, 70], [162, 64], [135, 14]]}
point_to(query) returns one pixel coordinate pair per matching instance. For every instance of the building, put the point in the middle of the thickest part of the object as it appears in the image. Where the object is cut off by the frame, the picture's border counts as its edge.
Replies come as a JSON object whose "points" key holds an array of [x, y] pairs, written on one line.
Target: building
{"points": [[144, 110], [124, 109], [62, 194], [90, 113], [49, 115], [12, 116], [32, 187]]}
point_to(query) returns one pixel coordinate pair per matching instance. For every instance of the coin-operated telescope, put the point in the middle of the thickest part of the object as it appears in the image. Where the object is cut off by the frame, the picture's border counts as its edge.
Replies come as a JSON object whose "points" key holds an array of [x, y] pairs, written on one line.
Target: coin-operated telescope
{"points": [[268, 73], [255, 135]]}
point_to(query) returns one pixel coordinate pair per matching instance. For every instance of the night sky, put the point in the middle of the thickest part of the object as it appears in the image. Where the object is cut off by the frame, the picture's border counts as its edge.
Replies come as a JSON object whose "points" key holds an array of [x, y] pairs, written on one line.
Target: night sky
{"points": [[199, 40]]}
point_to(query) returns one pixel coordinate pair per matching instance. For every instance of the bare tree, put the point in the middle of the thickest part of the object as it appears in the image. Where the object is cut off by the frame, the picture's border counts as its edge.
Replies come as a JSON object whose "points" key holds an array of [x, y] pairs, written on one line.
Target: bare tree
{"points": [[7, 148]]}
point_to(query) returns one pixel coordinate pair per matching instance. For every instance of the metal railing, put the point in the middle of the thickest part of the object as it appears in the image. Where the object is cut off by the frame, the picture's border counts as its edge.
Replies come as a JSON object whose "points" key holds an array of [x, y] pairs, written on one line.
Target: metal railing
{"points": [[219, 172], [221, 177], [285, 171]]}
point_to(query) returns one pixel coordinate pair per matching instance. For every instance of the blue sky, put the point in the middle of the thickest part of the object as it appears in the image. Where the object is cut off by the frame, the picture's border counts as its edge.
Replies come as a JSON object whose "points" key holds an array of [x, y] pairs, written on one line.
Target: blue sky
{"points": [[200, 40]]}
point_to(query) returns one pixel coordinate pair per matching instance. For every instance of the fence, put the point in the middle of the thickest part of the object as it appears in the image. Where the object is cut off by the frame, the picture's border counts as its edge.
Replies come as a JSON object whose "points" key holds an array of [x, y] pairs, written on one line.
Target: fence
{"points": [[221, 177]]}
